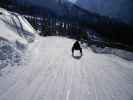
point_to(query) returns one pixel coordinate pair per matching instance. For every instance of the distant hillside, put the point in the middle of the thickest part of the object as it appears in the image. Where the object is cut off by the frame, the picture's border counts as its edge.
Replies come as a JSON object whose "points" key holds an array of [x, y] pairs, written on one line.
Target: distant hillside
{"points": [[112, 29], [120, 9]]}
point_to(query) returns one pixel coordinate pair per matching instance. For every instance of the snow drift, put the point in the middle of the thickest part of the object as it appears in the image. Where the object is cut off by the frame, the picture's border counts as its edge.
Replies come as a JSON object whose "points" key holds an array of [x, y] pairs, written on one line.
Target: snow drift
{"points": [[15, 35]]}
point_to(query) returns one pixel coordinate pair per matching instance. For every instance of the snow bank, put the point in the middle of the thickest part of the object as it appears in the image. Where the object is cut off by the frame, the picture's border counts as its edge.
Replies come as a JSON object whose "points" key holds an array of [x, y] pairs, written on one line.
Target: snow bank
{"points": [[15, 27], [15, 35], [118, 52]]}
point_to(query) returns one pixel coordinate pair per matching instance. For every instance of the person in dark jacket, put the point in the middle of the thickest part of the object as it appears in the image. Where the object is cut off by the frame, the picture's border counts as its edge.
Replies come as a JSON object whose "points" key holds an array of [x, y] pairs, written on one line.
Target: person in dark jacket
{"points": [[76, 46]]}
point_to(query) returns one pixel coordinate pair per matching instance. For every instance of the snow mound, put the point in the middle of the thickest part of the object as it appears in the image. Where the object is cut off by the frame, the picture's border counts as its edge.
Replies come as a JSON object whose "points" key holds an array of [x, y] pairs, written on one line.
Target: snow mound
{"points": [[15, 27], [15, 35]]}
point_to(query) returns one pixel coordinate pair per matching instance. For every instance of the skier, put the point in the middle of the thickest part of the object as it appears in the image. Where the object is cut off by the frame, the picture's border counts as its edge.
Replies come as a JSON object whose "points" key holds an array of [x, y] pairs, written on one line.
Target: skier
{"points": [[76, 46]]}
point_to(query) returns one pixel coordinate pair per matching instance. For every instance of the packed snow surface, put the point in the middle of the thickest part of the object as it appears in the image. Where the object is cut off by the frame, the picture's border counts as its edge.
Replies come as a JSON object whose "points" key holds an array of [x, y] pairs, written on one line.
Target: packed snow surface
{"points": [[53, 74]]}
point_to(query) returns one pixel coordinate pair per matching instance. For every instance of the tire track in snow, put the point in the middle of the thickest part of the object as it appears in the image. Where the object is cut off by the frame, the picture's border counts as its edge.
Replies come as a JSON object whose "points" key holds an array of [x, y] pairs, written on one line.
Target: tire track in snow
{"points": [[93, 77], [45, 74], [53, 79], [17, 85]]}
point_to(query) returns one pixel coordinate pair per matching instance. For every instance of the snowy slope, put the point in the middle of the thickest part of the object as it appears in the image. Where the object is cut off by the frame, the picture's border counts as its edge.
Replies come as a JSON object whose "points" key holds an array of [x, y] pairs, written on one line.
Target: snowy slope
{"points": [[15, 35], [18, 27], [52, 74]]}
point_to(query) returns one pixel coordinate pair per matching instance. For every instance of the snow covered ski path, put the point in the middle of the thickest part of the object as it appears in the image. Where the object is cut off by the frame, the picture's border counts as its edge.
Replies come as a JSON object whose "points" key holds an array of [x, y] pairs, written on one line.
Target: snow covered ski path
{"points": [[52, 74]]}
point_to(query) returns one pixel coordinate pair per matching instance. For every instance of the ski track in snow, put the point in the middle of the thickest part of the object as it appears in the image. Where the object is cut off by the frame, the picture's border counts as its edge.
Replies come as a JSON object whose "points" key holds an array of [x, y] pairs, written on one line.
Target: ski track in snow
{"points": [[52, 74]]}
